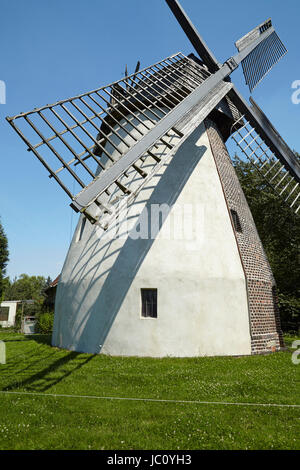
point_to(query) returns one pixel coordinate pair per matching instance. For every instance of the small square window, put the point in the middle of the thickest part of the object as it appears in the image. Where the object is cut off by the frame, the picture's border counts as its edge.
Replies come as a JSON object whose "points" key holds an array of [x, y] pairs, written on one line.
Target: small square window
{"points": [[149, 303], [236, 221]]}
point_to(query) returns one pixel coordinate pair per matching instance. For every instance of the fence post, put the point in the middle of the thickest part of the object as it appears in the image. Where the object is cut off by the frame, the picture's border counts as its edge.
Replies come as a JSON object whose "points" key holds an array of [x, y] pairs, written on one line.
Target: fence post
{"points": [[2, 352]]}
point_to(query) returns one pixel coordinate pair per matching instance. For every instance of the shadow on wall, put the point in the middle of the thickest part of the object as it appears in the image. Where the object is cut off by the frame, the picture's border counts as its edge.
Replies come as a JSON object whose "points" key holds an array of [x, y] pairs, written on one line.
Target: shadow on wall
{"points": [[82, 324]]}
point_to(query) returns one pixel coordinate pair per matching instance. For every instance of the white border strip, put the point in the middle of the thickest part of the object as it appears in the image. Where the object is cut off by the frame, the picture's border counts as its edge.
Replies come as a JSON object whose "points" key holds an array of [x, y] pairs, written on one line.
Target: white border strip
{"points": [[155, 400]]}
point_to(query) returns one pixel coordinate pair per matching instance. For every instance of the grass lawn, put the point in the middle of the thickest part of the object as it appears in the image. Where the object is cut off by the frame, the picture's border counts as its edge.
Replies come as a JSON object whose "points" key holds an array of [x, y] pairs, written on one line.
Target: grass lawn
{"points": [[49, 422]]}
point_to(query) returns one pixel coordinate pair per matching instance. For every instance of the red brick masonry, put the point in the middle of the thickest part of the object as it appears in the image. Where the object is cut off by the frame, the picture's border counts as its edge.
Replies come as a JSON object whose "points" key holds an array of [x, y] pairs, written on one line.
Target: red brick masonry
{"points": [[266, 334]]}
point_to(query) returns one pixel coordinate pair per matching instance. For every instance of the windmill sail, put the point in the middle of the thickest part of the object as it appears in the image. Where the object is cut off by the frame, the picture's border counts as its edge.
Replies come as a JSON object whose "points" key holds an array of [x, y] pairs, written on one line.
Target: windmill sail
{"points": [[98, 137], [260, 61], [258, 52], [90, 127], [200, 46], [159, 96], [279, 168]]}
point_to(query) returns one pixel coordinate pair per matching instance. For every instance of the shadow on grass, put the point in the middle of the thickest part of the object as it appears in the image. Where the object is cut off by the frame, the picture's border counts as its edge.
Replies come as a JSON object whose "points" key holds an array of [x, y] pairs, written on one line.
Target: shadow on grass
{"points": [[39, 357], [52, 374], [39, 338]]}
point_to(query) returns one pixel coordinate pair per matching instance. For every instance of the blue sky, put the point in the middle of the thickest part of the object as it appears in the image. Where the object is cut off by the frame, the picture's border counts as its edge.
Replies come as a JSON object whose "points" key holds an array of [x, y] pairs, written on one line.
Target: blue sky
{"points": [[55, 49]]}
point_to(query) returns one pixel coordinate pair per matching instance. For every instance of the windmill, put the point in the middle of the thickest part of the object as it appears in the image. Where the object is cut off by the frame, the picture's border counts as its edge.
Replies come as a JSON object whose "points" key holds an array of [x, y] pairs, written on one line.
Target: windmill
{"points": [[144, 154]]}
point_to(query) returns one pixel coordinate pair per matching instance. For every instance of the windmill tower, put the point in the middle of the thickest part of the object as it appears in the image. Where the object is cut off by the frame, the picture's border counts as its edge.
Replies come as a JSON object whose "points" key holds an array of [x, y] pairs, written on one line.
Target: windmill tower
{"points": [[166, 259]]}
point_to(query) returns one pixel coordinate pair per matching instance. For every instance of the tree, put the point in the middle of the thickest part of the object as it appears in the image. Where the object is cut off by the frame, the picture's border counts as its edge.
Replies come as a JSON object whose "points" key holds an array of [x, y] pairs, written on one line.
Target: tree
{"points": [[26, 288], [4, 257], [279, 230]]}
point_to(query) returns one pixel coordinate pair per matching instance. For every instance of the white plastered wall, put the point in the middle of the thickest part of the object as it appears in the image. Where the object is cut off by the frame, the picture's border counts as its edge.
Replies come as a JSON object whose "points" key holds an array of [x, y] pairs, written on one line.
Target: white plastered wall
{"points": [[202, 295]]}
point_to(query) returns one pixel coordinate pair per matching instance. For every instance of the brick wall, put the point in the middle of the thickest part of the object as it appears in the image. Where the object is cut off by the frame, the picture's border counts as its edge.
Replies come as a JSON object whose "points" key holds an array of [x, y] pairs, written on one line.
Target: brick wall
{"points": [[266, 334]]}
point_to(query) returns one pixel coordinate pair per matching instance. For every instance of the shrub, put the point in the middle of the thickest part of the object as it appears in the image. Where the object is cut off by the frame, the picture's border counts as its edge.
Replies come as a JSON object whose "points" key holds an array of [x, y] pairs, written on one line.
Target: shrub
{"points": [[45, 322], [289, 308]]}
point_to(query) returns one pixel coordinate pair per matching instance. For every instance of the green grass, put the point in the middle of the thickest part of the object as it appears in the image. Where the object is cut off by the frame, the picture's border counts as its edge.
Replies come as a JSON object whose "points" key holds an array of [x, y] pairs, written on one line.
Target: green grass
{"points": [[45, 422]]}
